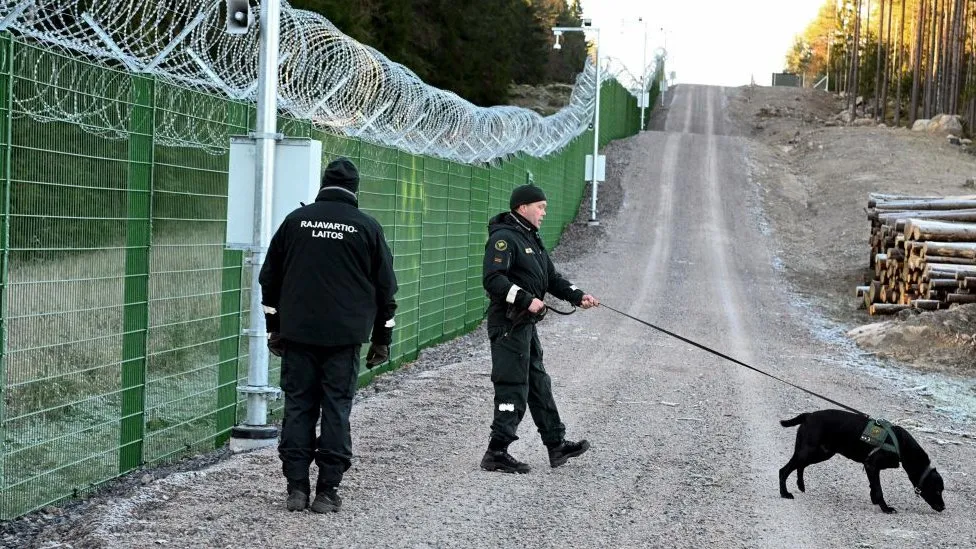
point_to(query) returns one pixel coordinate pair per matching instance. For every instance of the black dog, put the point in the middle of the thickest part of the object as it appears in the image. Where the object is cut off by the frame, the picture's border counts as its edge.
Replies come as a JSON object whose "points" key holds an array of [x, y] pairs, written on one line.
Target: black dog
{"points": [[827, 432]]}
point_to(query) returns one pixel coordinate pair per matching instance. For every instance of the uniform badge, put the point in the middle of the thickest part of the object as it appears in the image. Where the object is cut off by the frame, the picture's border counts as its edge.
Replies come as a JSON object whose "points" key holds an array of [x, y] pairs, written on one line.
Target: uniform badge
{"points": [[501, 245]]}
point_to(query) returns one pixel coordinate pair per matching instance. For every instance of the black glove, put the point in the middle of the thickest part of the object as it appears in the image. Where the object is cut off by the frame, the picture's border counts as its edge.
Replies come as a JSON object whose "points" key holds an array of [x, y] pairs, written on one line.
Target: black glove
{"points": [[377, 354], [275, 344]]}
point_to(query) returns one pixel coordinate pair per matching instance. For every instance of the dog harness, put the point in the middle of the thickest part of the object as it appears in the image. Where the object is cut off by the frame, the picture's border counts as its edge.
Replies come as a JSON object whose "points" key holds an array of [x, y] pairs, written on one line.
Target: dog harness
{"points": [[877, 433]]}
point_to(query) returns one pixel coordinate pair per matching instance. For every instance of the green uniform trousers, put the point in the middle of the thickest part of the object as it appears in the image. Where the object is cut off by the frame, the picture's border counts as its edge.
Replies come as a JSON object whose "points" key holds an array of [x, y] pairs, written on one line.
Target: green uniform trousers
{"points": [[521, 382]]}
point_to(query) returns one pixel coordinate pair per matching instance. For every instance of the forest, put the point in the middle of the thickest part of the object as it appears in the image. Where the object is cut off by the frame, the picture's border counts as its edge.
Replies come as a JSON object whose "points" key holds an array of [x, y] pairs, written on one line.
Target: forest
{"points": [[907, 59], [476, 48]]}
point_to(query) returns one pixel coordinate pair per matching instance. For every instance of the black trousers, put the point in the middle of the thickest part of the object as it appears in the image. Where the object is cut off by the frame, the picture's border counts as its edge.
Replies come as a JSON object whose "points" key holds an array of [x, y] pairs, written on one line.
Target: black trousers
{"points": [[521, 382], [317, 381]]}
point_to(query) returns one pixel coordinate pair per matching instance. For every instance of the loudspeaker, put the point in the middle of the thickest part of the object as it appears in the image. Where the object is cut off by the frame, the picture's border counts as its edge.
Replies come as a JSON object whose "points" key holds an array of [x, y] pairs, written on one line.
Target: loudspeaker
{"points": [[239, 16]]}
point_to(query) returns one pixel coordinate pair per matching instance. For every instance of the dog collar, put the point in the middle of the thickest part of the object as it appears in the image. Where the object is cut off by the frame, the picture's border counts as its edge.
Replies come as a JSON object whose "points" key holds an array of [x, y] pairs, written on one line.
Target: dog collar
{"points": [[921, 479]]}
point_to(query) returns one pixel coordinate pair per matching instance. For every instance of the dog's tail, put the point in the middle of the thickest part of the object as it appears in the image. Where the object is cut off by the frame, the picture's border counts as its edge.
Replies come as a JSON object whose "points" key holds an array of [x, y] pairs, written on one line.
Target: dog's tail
{"points": [[793, 422]]}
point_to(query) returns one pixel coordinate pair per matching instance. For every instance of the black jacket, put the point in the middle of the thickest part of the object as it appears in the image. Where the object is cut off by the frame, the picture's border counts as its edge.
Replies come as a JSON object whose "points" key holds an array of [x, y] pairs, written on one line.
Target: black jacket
{"points": [[329, 274], [517, 268]]}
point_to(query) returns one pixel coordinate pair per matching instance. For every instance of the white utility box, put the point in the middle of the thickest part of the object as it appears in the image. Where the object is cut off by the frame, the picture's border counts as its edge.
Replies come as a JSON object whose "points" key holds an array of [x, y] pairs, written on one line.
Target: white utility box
{"points": [[297, 174], [601, 168]]}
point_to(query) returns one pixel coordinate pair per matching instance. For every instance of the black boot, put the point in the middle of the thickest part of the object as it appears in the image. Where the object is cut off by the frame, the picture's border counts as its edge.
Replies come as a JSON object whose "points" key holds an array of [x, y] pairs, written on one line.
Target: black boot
{"points": [[327, 500], [559, 453], [501, 460], [297, 496]]}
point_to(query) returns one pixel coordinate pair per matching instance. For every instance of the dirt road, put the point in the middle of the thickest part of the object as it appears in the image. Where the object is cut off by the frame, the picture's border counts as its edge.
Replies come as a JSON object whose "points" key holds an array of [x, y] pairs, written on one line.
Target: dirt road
{"points": [[686, 447]]}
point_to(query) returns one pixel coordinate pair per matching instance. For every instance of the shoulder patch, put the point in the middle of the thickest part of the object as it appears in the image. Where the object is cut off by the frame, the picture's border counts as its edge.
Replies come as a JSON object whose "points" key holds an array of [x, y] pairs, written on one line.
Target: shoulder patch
{"points": [[501, 245]]}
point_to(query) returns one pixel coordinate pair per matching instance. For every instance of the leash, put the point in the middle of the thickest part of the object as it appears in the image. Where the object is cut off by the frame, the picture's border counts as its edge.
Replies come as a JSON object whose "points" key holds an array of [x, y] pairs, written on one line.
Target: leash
{"points": [[730, 359], [558, 312]]}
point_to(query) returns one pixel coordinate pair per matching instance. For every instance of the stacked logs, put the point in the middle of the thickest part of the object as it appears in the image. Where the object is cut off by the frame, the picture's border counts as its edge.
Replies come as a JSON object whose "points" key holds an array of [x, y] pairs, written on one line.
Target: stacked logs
{"points": [[923, 252]]}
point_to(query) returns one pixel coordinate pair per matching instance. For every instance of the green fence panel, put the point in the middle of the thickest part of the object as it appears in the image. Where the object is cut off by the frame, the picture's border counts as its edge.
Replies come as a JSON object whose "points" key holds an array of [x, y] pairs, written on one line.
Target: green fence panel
{"points": [[433, 263], [407, 238], [184, 373], [456, 262], [477, 236], [67, 204]]}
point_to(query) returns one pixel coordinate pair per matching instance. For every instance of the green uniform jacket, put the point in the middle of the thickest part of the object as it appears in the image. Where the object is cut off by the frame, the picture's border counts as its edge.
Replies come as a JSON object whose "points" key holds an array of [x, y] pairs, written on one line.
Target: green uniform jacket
{"points": [[518, 269]]}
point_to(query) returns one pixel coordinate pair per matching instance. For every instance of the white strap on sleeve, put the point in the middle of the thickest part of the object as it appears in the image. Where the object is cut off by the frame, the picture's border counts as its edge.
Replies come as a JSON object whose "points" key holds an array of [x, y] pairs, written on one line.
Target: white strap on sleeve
{"points": [[511, 293]]}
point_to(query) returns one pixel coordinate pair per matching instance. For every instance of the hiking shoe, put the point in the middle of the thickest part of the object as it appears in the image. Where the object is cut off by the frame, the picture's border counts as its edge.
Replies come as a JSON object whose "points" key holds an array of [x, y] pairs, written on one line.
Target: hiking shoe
{"points": [[297, 500], [326, 501], [561, 453], [501, 460]]}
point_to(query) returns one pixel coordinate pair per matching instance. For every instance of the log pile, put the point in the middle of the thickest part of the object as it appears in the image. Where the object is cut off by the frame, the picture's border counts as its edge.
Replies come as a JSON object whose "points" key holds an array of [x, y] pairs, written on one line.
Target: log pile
{"points": [[923, 253]]}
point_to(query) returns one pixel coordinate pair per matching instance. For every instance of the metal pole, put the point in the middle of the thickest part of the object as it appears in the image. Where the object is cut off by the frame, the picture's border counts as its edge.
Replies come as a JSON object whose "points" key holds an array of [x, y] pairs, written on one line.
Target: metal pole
{"points": [[255, 425], [827, 87], [643, 78], [596, 133]]}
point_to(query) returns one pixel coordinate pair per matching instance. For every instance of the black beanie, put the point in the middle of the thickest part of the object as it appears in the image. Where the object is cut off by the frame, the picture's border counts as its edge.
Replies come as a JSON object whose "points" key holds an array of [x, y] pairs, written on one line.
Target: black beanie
{"points": [[525, 194], [341, 172]]}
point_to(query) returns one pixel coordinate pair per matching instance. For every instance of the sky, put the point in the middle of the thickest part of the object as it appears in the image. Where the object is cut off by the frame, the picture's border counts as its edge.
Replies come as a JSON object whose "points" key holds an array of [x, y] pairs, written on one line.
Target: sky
{"points": [[718, 42]]}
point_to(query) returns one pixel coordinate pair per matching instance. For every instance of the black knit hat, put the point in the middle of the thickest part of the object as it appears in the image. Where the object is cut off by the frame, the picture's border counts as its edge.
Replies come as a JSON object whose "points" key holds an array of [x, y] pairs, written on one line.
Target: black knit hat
{"points": [[341, 172], [525, 194]]}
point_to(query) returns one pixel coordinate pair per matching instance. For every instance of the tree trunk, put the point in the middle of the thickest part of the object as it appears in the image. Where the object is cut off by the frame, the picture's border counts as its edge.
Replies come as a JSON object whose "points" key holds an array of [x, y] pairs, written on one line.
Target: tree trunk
{"points": [[899, 62], [922, 229], [917, 62], [898, 219], [930, 63], [877, 62], [941, 204], [886, 308], [965, 250], [888, 63], [855, 61], [961, 298]]}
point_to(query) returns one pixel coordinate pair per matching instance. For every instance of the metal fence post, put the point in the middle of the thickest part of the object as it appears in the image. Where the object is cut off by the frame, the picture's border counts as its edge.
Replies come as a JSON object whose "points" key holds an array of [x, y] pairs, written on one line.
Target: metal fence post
{"points": [[255, 432], [6, 106], [135, 315], [230, 312]]}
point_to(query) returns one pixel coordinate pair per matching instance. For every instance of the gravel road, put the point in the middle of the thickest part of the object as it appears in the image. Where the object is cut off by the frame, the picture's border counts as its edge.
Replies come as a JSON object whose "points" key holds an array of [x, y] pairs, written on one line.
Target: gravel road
{"points": [[685, 446]]}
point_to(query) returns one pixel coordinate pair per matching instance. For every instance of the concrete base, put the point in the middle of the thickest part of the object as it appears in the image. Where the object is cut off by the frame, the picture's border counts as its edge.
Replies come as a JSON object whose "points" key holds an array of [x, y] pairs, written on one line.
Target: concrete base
{"points": [[238, 445], [250, 437], [593, 223]]}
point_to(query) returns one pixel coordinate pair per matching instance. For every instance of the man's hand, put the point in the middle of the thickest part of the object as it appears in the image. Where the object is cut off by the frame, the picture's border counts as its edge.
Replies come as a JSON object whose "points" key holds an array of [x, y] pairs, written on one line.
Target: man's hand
{"points": [[536, 305], [589, 301], [377, 354], [275, 344]]}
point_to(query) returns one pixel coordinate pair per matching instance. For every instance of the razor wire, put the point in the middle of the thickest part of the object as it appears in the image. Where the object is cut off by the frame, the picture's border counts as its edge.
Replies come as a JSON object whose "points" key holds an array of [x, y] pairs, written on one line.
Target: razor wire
{"points": [[325, 77]]}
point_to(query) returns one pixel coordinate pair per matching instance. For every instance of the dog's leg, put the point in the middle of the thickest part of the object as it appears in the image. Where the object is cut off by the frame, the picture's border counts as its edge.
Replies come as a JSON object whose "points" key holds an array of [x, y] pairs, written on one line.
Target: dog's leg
{"points": [[874, 480], [821, 454], [784, 474]]}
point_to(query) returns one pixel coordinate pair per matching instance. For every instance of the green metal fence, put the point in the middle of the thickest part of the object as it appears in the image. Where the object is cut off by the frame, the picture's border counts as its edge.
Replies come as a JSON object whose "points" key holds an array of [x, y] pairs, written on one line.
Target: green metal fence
{"points": [[122, 310]]}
